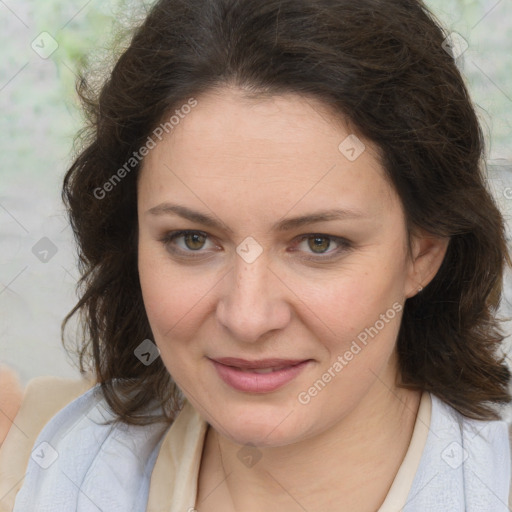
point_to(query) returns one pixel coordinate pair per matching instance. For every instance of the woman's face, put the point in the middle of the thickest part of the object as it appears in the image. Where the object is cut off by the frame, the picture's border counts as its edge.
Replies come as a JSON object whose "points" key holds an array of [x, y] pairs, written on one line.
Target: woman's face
{"points": [[295, 254]]}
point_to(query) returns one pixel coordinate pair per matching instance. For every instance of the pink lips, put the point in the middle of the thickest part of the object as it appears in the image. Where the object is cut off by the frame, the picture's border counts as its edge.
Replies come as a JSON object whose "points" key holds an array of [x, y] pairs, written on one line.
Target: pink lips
{"points": [[244, 375]]}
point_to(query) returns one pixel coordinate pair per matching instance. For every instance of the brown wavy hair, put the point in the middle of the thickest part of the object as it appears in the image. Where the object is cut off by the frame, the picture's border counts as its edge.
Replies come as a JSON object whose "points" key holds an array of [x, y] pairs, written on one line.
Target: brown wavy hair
{"points": [[378, 63]]}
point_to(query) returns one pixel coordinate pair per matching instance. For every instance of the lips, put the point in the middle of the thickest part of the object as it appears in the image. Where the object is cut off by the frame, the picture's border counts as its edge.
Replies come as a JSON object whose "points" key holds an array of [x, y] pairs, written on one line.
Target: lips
{"points": [[262, 376], [260, 364], [263, 370]]}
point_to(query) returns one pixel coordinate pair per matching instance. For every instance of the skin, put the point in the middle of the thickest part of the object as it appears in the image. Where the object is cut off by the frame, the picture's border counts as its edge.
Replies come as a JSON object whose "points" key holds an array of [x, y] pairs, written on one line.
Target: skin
{"points": [[250, 163]]}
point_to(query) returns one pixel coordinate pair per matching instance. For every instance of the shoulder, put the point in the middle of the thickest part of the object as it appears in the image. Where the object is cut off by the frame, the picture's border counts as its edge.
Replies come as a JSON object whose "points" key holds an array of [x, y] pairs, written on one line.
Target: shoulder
{"points": [[43, 397], [484, 449], [85, 451]]}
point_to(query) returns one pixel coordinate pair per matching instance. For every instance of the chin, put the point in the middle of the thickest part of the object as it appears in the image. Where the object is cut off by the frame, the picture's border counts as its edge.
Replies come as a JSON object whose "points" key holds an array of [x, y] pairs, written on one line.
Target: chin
{"points": [[259, 425], [257, 436]]}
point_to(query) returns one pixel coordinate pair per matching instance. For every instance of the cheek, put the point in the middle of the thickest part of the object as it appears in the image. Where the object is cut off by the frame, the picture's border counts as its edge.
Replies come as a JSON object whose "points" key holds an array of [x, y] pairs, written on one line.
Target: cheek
{"points": [[347, 306], [167, 297], [168, 302], [178, 302], [358, 323]]}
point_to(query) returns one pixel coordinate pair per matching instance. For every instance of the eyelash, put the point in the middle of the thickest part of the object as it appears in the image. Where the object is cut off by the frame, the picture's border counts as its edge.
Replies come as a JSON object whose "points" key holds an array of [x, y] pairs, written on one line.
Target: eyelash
{"points": [[170, 237]]}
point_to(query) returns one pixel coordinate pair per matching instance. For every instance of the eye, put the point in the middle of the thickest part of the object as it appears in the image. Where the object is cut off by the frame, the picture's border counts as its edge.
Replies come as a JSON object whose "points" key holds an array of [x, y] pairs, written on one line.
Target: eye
{"points": [[191, 241], [190, 244], [318, 244]]}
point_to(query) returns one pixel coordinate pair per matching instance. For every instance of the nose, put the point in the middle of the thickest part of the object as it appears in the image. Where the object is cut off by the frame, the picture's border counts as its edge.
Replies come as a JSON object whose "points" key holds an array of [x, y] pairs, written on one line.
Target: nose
{"points": [[253, 301]]}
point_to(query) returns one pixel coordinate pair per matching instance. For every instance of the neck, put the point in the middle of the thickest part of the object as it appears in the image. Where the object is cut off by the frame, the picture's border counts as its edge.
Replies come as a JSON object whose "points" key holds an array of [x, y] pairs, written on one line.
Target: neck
{"points": [[350, 466]]}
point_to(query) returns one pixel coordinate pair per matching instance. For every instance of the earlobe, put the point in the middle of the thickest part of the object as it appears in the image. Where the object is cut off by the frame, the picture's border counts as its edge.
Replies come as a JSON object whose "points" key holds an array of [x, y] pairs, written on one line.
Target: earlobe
{"points": [[428, 252]]}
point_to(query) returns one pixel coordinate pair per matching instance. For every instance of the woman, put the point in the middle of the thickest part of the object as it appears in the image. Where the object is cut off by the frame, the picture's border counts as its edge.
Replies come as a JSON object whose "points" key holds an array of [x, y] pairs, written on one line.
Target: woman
{"points": [[291, 267]]}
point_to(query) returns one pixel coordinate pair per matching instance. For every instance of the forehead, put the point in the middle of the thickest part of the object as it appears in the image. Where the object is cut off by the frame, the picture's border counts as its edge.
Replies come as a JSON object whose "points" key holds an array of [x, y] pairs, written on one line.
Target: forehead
{"points": [[259, 127], [265, 150]]}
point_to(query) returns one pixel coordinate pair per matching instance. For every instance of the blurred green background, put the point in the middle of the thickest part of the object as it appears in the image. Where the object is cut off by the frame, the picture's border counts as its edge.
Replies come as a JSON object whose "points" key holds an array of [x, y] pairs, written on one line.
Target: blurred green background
{"points": [[39, 118]]}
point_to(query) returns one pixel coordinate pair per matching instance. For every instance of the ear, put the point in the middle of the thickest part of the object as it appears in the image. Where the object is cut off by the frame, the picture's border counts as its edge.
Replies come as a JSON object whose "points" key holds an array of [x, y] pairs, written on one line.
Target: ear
{"points": [[428, 252]]}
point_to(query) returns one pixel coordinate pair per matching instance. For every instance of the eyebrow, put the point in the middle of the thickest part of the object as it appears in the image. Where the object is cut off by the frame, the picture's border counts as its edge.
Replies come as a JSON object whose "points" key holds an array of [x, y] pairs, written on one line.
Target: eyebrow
{"points": [[280, 226]]}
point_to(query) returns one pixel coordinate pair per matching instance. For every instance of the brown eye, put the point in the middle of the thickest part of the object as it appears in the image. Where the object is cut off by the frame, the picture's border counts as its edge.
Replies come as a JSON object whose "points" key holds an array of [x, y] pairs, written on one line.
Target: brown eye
{"points": [[319, 244], [194, 241], [187, 244]]}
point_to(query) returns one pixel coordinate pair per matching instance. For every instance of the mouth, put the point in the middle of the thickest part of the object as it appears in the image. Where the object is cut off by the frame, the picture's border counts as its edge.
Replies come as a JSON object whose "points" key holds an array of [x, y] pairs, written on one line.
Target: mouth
{"points": [[262, 370], [261, 376], [259, 364]]}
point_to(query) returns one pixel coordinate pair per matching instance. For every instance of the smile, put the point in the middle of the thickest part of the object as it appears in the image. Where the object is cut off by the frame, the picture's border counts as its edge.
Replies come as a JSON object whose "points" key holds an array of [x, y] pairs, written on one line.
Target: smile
{"points": [[255, 377]]}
